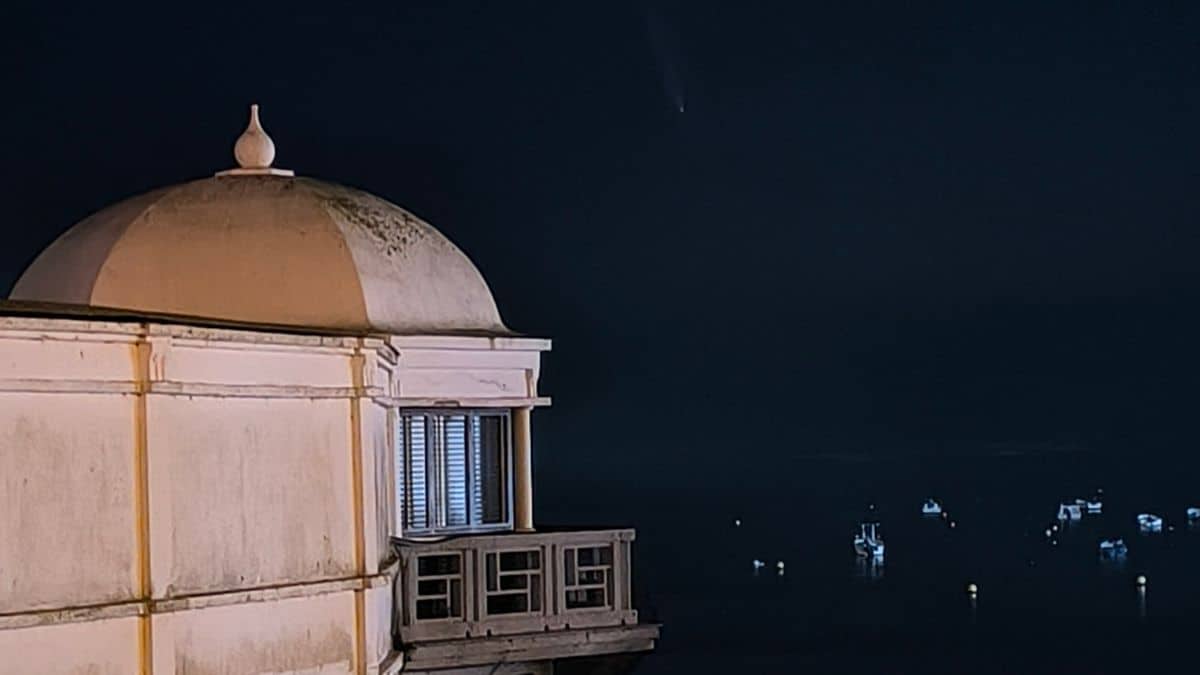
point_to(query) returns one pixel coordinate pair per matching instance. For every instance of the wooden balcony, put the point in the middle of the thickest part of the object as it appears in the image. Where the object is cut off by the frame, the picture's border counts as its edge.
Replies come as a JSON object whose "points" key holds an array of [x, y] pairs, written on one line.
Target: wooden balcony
{"points": [[477, 598]]}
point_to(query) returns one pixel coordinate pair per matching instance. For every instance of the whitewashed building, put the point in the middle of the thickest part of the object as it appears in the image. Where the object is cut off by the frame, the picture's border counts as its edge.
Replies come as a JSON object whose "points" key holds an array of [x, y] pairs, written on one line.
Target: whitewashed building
{"points": [[257, 423]]}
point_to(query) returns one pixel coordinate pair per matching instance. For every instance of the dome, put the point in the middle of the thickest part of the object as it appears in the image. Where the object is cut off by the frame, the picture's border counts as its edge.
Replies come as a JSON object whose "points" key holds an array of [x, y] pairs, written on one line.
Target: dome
{"points": [[259, 245]]}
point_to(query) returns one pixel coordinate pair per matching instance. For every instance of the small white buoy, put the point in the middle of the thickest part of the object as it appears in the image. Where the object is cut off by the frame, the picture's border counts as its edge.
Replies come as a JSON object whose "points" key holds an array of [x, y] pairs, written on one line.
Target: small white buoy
{"points": [[1054, 527], [737, 522], [1141, 580], [952, 524], [779, 565], [758, 564], [1049, 533], [972, 589]]}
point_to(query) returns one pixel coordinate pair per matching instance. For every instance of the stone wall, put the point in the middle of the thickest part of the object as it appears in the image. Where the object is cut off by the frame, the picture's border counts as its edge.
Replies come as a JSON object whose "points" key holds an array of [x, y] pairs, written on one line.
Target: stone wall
{"points": [[210, 501]]}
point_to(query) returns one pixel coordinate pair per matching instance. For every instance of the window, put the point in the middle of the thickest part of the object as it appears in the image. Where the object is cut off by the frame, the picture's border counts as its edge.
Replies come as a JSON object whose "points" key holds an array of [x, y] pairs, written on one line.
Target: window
{"points": [[439, 586], [588, 576], [514, 582], [452, 471]]}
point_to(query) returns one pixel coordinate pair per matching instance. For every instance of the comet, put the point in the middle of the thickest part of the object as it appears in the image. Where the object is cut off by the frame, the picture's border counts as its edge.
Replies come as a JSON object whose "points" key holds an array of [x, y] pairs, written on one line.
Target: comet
{"points": [[668, 58]]}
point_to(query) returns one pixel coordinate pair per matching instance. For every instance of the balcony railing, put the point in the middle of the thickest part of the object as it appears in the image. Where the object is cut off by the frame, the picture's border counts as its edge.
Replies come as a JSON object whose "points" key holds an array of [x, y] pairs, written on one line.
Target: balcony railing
{"points": [[509, 584]]}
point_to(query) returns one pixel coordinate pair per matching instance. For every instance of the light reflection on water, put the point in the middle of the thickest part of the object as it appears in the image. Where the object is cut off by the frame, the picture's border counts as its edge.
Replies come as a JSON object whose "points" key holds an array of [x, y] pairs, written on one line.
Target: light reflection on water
{"points": [[870, 569], [1034, 589]]}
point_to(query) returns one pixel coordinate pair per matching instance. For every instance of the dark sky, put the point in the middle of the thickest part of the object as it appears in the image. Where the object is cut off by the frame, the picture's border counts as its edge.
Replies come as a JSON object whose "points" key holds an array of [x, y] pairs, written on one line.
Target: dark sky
{"points": [[877, 224]]}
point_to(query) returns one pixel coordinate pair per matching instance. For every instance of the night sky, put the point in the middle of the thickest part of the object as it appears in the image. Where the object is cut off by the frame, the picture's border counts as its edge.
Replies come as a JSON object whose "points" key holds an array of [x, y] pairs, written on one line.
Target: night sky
{"points": [[875, 226]]}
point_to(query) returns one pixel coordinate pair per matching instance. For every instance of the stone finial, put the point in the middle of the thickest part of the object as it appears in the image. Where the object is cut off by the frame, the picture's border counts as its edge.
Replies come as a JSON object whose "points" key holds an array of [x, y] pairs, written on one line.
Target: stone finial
{"points": [[254, 148], [254, 151]]}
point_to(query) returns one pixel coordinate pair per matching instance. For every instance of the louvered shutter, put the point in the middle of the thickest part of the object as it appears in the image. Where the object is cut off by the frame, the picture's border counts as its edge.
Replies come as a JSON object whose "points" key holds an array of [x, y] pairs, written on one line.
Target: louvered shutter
{"points": [[455, 443], [418, 458]]}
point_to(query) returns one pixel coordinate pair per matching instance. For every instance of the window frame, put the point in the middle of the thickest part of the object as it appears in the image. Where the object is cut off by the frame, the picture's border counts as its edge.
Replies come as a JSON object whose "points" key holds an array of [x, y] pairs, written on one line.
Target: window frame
{"points": [[437, 502]]}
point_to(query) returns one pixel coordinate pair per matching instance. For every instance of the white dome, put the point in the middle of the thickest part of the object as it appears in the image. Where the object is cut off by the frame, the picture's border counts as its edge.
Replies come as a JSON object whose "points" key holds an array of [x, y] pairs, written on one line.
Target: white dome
{"points": [[267, 248]]}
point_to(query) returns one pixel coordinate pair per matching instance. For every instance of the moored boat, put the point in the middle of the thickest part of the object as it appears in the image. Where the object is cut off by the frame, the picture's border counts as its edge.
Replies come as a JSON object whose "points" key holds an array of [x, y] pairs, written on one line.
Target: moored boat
{"points": [[868, 543], [1148, 522], [1069, 512]]}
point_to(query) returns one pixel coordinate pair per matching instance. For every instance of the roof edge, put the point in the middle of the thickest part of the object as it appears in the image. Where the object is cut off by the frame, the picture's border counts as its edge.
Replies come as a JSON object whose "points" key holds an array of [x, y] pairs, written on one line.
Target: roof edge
{"points": [[57, 310]]}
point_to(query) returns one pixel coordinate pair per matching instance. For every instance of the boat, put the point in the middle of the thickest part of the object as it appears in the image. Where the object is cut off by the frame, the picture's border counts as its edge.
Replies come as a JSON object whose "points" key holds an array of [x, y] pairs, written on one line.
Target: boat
{"points": [[1094, 505], [1148, 522], [1193, 513], [1069, 512], [931, 507], [1113, 548], [868, 543]]}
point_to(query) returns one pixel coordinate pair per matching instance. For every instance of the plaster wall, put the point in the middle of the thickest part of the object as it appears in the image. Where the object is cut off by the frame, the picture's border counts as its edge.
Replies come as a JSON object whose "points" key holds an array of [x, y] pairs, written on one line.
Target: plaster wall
{"points": [[265, 453], [66, 504], [378, 602], [240, 364], [467, 368], [300, 636], [378, 476], [248, 492], [50, 356], [106, 647]]}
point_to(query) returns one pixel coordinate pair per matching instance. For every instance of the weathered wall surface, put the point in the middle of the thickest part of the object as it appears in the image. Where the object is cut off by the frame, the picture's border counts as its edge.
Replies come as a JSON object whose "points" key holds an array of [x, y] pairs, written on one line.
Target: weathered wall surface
{"points": [[248, 492], [66, 511], [267, 491], [466, 368], [66, 470], [307, 636], [379, 521], [194, 360], [378, 641], [105, 647]]}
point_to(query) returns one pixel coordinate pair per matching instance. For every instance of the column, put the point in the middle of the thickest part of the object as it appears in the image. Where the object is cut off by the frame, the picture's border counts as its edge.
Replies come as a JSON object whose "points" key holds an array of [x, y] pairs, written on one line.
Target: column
{"points": [[522, 471]]}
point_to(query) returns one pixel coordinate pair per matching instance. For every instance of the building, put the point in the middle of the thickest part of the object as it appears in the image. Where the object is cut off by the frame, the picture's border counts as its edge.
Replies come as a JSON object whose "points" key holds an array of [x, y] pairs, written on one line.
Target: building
{"points": [[258, 423]]}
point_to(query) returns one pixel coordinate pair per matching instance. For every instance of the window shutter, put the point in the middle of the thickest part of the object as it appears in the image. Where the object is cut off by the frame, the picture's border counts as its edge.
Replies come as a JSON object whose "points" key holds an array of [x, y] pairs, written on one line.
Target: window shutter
{"points": [[493, 483], [456, 470], [400, 465], [418, 456], [452, 471], [477, 477]]}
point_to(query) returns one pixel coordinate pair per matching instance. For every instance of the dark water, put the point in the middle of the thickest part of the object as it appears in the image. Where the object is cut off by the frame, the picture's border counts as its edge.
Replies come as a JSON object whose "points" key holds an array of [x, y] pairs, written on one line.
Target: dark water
{"points": [[697, 431], [1040, 608]]}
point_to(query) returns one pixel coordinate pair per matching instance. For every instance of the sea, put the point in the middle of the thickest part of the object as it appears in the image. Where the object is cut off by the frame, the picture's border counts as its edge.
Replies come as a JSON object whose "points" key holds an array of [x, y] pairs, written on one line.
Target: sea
{"points": [[1044, 604]]}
